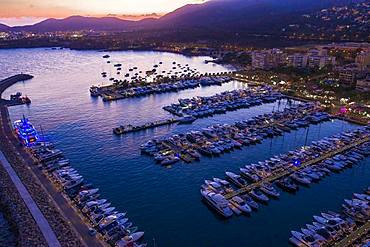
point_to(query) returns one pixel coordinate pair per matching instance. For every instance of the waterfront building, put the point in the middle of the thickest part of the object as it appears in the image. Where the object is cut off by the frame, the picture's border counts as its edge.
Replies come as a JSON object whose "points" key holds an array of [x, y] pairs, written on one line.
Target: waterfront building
{"points": [[317, 52], [267, 59], [320, 61], [348, 76], [363, 60], [363, 84], [297, 60]]}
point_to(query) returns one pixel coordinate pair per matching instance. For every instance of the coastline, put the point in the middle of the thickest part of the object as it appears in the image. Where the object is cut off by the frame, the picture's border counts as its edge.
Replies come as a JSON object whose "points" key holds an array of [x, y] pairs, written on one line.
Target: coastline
{"points": [[66, 224]]}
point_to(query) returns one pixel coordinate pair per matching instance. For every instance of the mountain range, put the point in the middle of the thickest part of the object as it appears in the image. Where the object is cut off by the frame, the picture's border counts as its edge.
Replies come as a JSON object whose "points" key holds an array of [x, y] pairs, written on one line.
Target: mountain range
{"points": [[230, 15]]}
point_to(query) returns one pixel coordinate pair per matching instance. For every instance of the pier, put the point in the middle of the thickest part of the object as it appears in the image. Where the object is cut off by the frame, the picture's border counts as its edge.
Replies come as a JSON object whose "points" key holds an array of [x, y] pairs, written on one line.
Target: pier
{"points": [[354, 236], [118, 90], [130, 128], [270, 179], [4, 84]]}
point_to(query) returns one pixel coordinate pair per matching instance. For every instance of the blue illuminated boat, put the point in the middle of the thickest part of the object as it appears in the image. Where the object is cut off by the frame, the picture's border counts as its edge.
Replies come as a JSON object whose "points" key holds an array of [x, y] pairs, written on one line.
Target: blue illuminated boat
{"points": [[26, 133]]}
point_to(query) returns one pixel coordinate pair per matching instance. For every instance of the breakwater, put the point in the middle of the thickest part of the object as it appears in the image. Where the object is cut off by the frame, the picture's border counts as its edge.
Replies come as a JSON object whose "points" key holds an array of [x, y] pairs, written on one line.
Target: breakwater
{"points": [[47, 200], [21, 163], [7, 82]]}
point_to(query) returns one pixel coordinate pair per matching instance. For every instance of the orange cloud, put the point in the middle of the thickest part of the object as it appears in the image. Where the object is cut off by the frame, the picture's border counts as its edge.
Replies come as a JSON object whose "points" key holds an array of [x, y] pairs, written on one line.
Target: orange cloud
{"points": [[59, 9]]}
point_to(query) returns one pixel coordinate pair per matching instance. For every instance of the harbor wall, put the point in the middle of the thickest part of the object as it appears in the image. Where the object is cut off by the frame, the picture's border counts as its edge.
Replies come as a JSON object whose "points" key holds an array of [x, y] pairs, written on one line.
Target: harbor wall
{"points": [[16, 212]]}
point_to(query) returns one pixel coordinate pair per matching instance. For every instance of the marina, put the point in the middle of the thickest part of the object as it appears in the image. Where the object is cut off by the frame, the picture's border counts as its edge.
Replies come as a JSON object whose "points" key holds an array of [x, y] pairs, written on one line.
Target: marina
{"points": [[114, 92], [304, 166], [217, 139], [124, 129], [115, 166], [347, 228], [221, 103], [113, 226]]}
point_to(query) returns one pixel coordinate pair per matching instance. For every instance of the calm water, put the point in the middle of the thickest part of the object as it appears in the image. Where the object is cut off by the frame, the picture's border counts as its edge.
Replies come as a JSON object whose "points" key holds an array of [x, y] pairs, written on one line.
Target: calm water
{"points": [[163, 202]]}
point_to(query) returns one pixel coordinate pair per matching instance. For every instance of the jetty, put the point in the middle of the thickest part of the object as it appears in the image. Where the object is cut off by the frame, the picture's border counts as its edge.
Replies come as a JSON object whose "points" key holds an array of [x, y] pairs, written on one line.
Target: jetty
{"points": [[4, 84], [68, 226], [118, 91], [354, 236], [287, 172], [217, 139], [124, 129]]}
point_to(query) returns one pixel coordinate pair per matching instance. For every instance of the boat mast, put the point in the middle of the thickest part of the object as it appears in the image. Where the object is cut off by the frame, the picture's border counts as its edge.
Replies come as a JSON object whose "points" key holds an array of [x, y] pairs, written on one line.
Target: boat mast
{"points": [[42, 134]]}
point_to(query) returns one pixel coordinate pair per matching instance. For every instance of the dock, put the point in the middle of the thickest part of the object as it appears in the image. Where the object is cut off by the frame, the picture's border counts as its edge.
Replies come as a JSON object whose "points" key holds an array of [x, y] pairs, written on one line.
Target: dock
{"points": [[287, 172], [352, 120], [4, 84], [124, 129], [354, 236]]}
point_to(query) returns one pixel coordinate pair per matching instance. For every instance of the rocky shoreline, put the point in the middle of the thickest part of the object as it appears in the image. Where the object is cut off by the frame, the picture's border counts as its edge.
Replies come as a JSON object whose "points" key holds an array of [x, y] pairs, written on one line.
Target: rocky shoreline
{"points": [[16, 213]]}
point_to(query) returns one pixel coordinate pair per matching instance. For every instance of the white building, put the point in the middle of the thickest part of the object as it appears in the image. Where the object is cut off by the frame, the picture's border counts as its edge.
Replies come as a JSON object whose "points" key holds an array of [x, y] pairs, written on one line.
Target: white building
{"points": [[363, 85], [363, 60], [320, 61], [297, 60], [267, 59]]}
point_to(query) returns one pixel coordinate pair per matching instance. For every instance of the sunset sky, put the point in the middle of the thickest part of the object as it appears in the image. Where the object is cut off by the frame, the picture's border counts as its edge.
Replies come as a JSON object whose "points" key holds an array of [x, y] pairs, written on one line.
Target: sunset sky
{"points": [[20, 12]]}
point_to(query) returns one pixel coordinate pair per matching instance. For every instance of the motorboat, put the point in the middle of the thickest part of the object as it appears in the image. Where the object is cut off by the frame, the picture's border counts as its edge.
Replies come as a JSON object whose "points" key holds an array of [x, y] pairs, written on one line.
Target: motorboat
{"points": [[236, 179], [254, 205], [304, 240], [117, 220], [258, 195], [217, 202], [287, 185], [73, 183], [321, 231], [250, 176], [241, 204], [269, 190], [362, 197], [300, 178], [225, 184], [130, 240]]}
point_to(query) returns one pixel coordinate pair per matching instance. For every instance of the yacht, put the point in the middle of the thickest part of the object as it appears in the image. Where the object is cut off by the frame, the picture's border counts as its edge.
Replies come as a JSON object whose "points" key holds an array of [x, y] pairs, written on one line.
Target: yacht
{"points": [[258, 195], [241, 204], [130, 240], [236, 179], [26, 133], [300, 239], [218, 202], [300, 178], [269, 190]]}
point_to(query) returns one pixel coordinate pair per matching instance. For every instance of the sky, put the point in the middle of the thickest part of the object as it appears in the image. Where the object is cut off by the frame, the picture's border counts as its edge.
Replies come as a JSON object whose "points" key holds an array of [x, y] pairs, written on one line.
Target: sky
{"points": [[21, 12]]}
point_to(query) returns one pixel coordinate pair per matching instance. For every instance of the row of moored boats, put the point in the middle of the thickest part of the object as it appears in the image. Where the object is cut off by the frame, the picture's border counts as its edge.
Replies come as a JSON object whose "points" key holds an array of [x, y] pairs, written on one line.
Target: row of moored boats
{"points": [[217, 139], [223, 102], [331, 227], [104, 218], [114, 93], [286, 171]]}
